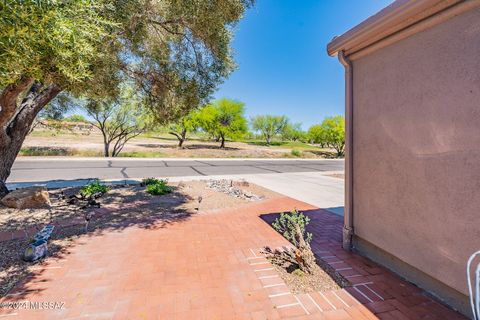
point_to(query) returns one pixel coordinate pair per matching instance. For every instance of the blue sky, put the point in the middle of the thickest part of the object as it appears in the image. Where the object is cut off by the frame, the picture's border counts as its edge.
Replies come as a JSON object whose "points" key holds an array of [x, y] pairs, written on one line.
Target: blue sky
{"points": [[283, 67]]}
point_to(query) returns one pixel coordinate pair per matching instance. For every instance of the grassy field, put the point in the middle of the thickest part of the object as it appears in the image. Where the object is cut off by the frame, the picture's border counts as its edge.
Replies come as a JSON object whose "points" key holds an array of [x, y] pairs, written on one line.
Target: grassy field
{"points": [[43, 142]]}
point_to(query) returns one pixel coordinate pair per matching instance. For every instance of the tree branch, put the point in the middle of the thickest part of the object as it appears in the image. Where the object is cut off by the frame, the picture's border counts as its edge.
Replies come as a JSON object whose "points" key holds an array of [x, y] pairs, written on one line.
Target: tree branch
{"points": [[8, 99]]}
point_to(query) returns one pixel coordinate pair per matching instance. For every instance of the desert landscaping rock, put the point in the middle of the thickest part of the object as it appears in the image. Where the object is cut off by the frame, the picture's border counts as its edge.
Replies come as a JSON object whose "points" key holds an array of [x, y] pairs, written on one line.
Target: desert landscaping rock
{"points": [[32, 197], [231, 188]]}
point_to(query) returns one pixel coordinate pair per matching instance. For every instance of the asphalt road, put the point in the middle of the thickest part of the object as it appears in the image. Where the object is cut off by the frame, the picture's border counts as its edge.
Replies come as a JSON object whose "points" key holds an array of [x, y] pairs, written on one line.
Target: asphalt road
{"points": [[48, 169]]}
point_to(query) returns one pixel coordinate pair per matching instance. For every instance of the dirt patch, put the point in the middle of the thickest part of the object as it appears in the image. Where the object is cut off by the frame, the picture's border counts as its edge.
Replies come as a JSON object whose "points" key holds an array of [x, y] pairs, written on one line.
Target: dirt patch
{"points": [[59, 143], [120, 208], [319, 280], [16, 219]]}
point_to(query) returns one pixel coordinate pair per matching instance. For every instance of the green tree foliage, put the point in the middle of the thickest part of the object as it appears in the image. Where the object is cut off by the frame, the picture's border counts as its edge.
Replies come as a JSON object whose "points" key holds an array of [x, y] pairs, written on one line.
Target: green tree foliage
{"points": [[269, 125], [76, 118], [58, 107], [334, 128], [119, 120], [175, 52], [223, 118], [331, 133], [293, 132], [180, 128], [316, 134]]}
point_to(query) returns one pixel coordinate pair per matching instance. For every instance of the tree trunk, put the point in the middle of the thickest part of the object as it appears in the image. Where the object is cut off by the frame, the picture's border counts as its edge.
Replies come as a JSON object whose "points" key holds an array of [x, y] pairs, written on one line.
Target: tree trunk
{"points": [[106, 148], [181, 137], [303, 253], [14, 126], [222, 141]]}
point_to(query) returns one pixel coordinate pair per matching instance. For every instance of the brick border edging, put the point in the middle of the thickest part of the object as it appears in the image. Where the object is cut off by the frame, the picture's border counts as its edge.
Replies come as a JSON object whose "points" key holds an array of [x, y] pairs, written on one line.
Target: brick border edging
{"points": [[290, 304]]}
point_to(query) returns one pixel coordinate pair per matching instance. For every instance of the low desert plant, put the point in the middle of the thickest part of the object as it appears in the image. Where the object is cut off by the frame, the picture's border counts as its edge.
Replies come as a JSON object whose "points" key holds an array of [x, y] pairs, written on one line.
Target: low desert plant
{"points": [[296, 153], [287, 224], [93, 188], [149, 181], [158, 188], [292, 227]]}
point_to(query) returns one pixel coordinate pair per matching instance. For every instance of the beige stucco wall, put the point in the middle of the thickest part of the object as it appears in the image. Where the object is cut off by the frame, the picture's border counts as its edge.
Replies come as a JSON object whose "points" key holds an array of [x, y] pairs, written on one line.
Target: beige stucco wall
{"points": [[416, 148]]}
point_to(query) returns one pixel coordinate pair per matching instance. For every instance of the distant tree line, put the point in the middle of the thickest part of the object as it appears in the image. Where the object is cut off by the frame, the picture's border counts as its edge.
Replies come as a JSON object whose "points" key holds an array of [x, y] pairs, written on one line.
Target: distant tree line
{"points": [[122, 119], [225, 119]]}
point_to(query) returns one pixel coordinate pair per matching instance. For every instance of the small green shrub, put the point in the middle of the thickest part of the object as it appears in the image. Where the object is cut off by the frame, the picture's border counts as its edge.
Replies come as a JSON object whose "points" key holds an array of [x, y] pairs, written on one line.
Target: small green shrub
{"points": [[159, 188], [149, 181], [288, 222], [92, 188], [296, 153]]}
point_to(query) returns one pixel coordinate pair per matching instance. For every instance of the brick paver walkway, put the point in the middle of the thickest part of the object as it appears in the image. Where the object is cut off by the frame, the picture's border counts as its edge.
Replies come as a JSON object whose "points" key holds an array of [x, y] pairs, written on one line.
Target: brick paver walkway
{"points": [[209, 267]]}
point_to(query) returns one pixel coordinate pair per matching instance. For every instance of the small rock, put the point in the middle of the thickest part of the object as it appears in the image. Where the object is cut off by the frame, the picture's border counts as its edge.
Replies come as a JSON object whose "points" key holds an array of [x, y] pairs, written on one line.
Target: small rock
{"points": [[226, 186], [31, 197], [69, 192]]}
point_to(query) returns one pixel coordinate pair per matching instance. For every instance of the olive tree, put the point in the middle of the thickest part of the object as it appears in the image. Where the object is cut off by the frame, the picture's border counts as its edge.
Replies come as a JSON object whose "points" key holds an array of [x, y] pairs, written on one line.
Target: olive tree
{"points": [[176, 52]]}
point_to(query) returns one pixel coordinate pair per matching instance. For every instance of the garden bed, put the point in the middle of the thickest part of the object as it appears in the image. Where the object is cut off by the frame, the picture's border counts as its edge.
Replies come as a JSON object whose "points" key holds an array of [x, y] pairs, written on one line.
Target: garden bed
{"points": [[297, 265], [120, 207]]}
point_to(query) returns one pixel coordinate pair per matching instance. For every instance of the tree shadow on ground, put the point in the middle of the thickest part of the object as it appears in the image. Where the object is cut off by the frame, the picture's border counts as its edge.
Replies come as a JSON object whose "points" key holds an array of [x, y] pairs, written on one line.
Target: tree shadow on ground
{"points": [[186, 147], [124, 208], [265, 144]]}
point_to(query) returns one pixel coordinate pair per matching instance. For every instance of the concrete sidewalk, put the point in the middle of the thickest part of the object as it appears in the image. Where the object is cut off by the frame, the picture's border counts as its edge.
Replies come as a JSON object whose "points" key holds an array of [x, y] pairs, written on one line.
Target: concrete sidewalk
{"points": [[315, 188]]}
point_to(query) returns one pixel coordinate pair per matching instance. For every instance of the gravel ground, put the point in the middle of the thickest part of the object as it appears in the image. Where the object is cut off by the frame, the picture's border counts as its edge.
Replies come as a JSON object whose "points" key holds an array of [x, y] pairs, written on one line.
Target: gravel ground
{"points": [[14, 219], [125, 206], [319, 280]]}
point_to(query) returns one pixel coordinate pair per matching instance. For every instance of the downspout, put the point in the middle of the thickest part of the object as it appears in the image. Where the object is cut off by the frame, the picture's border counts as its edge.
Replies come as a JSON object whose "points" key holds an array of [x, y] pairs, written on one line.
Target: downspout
{"points": [[348, 231]]}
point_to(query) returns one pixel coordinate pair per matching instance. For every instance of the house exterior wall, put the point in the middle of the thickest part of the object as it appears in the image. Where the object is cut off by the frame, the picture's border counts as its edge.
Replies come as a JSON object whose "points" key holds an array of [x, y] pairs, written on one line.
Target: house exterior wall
{"points": [[416, 148]]}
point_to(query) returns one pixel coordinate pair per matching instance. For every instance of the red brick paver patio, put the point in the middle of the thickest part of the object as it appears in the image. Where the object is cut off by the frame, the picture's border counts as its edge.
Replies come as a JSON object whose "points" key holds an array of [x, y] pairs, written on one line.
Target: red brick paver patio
{"points": [[209, 267]]}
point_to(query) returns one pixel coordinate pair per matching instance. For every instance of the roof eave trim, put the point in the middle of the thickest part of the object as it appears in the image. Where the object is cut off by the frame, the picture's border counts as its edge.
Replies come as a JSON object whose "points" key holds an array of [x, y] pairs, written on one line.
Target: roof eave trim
{"points": [[397, 16]]}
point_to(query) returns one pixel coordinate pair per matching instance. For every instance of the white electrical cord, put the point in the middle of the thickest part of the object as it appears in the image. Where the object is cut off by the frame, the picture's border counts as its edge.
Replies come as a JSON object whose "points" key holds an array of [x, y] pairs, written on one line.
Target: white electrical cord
{"points": [[477, 301], [474, 301]]}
